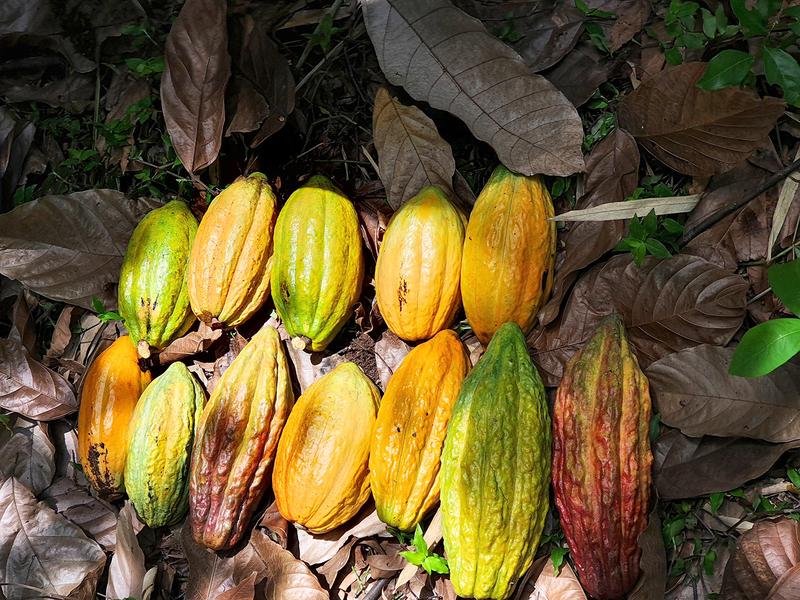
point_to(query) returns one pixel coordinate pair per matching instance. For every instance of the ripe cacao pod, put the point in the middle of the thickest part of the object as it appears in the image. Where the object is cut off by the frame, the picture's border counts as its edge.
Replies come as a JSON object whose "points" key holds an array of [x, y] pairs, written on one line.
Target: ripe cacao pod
{"points": [[418, 273], [160, 440], [111, 387], [321, 476], [601, 460], [509, 252], [236, 440], [153, 296], [229, 263], [318, 263], [409, 433], [496, 470]]}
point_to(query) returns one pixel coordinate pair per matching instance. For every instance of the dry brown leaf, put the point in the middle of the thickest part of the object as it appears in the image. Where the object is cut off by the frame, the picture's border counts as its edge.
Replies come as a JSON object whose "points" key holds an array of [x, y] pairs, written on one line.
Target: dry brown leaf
{"points": [[274, 521], [693, 131], [62, 333], [41, 549], [73, 93], [390, 351], [246, 108], [653, 562], [694, 392], [561, 586], [96, 518], [23, 325], [126, 572], [630, 17], [444, 57], [29, 388], [190, 344], [612, 211], [580, 73], [16, 138], [244, 590], [28, 455], [785, 200], [196, 70], [318, 548], [411, 152]]}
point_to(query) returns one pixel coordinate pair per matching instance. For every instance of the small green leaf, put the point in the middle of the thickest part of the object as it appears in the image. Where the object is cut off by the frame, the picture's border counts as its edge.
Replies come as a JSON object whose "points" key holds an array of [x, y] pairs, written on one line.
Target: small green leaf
{"points": [[673, 56], [650, 222], [672, 226], [557, 555], [657, 249], [765, 347], [708, 562], [414, 557], [768, 8], [794, 477], [721, 18], [716, 499], [693, 41], [782, 69], [785, 281], [435, 563], [638, 254], [726, 69], [97, 305], [709, 23], [419, 540], [751, 21]]}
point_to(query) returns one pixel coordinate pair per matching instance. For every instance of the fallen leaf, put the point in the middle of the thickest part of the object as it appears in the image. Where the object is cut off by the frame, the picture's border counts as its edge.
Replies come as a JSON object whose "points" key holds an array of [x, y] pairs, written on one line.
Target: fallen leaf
{"points": [[196, 71], [694, 131], [318, 548], [580, 73], [23, 326], [310, 366], [29, 388], [446, 58], [330, 570], [411, 152], [785, 200], [62, 333], [190, 344], [69, 248], [28, 456], [390, 351], [41, 549], [694, 392], [373, 217], [273, 521], [244, 590], [561, 586], [246, 108], [95, 517], [612, 211], [630, 17], [653, 562], [16, 138], [73, 93], [126, 571]]}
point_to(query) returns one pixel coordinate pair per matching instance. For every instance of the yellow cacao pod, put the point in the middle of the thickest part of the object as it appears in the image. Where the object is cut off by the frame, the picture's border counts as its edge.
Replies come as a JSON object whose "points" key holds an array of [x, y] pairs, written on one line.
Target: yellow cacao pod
{"points": [[418, 272]]}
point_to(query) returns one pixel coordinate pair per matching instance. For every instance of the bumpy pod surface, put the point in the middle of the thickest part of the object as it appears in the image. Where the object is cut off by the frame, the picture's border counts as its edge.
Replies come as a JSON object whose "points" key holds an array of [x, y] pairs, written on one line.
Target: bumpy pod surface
{"points": [[111, 387], [406, 449], [160, 440], [153, 294], [509, 253], [230, 260], [321, 476], [496, 470], [601, 460], [418, 273], [236, 440], [318, 263]]}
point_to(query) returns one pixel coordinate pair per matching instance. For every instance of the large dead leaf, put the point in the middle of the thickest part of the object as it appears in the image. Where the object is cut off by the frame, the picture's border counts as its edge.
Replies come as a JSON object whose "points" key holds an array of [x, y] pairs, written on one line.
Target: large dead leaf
{"points": [[69, 248], [694, 392], [29, 456], [694, 131], [411, 152], [563, 585], [16, 138], [29, 388], [653, 563], [126, 571], [41, 549], [667, 305], [318, 548], [446, 58], [196, 72], [612, 174], [190, 344], [95, 517], [580, 73]]}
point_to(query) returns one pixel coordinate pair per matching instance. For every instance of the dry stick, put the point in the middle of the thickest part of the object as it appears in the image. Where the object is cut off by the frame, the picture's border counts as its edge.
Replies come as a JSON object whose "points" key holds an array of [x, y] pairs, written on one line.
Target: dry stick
{"points": [[375, 592], [692, 232]]}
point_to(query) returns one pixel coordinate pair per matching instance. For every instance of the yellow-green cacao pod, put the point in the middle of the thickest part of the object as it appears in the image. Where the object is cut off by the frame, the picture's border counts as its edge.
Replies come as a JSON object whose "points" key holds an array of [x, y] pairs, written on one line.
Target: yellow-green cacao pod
{"points": [[229, 264], [318, 263], [160, 440], [153, 293], [418, 273], [496, 470]]}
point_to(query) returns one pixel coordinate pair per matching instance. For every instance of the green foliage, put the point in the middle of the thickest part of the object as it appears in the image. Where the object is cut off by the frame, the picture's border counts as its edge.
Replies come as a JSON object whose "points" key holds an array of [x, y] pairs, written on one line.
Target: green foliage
{"points": [[104, 315], [422, 557], [651, 236], [5, 422], [715, 500], [145, 67], [726, 69], [708, 562], [794, 477], [323, 34], [508, 32], [782, 69], [557, 555], [654, 186], [595, 32], [601, 128]]}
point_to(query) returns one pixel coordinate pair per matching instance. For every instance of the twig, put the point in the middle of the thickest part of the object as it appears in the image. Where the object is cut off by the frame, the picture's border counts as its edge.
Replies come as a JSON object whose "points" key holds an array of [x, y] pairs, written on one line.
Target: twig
{"points": [[96, 94], [318, 66], [193, 178], [375, 592]]}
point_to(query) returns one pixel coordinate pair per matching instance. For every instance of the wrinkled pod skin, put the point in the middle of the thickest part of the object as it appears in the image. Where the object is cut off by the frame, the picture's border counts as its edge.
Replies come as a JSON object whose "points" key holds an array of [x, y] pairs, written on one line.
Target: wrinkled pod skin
{"points": [[160, 440], [318, 263], [509, 253], [496, 470], [418, 272], [236, 440], [406, 449], [153, 291], [602, 459], [231, 256], [321, 476], [111, 388]]}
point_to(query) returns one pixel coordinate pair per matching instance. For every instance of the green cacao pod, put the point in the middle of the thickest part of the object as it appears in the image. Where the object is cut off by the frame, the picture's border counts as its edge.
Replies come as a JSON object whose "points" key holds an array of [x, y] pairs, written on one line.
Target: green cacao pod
{"points": [[318, 263], [160, 439], [153, 292], [496, 470], [601, 460], [236, 441]]}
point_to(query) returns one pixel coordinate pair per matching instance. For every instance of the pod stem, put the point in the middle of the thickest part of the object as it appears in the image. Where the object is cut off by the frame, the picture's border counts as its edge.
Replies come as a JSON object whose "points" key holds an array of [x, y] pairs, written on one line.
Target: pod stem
{"points": [[143, 349], [301, 342]]}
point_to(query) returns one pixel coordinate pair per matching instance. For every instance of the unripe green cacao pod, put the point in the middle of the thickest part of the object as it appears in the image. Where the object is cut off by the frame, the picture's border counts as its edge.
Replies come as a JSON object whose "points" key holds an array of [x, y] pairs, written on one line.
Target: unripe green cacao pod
{"points": [[160, 440], [496, 470]]}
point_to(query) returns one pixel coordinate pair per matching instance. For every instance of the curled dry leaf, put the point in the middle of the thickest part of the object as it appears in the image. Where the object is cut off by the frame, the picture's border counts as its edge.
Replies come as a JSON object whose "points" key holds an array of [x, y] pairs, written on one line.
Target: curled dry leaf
{"points": [[557, 586], [29, 388], [96, 518], [694, 392], [785, 200], [69, 248], [613, 211], [29, 456], [196, 70], [318, 548], [693, 131], [126, 572], [190, 344], [390, 351], [40, 548], [16, 138], [653, 578], [630, 17], [446, 58], [276, 524], [245, 107], [62, 333]]}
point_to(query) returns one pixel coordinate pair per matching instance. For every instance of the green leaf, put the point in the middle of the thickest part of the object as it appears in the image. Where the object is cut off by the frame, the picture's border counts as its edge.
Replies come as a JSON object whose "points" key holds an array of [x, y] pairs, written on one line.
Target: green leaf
{"points": [[419, 541], [557, 555], [638, 254], [765, 347], [768, 8], [673, 56], [794, 477], [721, 18], [726, 69], [650, 222], [97, 305], [709, 23], [785, 281], [708, 562], [435, 563], [672, 226], [415, 558], [716, 499], [597, 37], [657, 249], [751, 21], [782, 69]]}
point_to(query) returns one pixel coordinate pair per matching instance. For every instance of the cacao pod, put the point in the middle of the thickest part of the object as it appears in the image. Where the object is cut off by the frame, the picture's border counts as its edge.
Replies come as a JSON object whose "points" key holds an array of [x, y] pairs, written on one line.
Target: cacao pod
{"points": [[509, 252], [601, 460], [236, 440], [160, 440], [153, 297], [318, 263], [409, 433], [496, 470], [111, 387], [321, 476], [229, 263], [418, 273]]}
